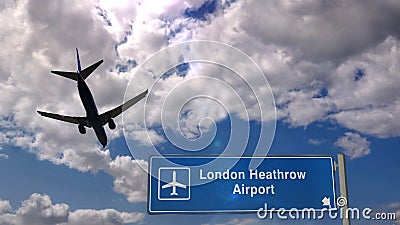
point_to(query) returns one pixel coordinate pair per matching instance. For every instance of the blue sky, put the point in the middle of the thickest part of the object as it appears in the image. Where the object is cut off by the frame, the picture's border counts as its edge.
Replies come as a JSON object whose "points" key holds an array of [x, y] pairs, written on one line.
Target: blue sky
{"points": [[333, 71]]}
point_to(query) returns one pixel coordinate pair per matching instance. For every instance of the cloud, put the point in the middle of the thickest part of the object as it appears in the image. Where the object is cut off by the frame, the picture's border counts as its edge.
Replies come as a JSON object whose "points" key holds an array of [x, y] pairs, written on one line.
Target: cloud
{"points": [[40, 39], [354, 145], [393, 207], [315, 141], [311, 53], [239, 222], [105, 216], [5, 207], [130, 176], [39, 209], [299, 62], [370, 105], [309, 30], [147, 137]]}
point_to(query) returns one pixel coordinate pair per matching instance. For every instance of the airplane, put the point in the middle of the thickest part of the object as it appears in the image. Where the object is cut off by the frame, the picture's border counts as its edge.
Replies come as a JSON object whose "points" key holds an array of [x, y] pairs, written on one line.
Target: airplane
{"points": [[173, 184], [93, 119]]}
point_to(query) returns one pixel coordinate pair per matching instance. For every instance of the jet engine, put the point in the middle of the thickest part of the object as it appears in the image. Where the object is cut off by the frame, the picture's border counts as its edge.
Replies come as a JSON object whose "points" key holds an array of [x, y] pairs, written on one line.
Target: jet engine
{"points": [[82, 129], [111, 124]]}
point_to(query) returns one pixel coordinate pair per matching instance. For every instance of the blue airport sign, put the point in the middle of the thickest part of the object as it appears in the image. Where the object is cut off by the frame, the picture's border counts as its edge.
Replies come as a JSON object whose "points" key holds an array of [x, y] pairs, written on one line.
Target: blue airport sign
{"points": [[228, 184]]}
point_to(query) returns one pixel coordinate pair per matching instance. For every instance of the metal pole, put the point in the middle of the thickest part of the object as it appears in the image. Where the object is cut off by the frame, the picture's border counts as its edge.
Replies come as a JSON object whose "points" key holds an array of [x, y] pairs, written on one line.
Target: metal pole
{"points": [[343, 189]]}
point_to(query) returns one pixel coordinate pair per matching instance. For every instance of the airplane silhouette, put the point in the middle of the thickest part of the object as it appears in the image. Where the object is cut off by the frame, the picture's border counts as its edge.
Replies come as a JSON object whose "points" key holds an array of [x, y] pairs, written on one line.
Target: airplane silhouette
{"points": [[93, 119], [173, 184]]}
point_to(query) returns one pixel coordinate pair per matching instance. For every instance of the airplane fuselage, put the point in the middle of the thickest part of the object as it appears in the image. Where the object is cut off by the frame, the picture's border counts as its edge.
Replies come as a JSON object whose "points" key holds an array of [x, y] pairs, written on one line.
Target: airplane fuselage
{"points": [[91, 110], [174, 191]]}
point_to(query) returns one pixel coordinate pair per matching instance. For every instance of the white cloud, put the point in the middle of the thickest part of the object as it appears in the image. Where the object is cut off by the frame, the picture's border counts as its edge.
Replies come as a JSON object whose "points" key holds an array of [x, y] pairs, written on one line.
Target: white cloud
{"points": [[307, 48], [393, 205], [354, 145], [130, 177], [239, 222], [40, 38], [146, 137], [303, 109], [105, 216], [86, 160], [39, 209], [5, 207], [315, 141], [370, 105]]}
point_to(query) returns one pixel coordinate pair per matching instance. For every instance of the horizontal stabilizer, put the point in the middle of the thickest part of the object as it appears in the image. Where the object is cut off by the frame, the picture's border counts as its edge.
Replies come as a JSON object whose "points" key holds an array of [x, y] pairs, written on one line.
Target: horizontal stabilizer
{"points": [[70, 75], [84, 73]]}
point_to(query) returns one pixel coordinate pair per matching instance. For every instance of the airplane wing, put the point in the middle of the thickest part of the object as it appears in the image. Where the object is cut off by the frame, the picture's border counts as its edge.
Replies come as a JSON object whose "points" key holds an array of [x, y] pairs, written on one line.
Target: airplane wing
{"points": [[172, 184], [167, 185], [178, 185], [69, 119], [118, 110]]}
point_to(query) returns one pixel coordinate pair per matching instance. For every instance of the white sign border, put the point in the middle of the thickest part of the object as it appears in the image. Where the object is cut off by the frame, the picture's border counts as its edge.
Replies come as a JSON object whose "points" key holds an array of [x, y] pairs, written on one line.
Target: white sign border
{"points": [[155, 212]]}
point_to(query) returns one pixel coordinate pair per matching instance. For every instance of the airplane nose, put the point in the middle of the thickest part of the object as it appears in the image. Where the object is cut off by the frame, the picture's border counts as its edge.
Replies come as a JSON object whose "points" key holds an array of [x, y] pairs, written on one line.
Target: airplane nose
{"points": [[104, 143], [101, 136]]}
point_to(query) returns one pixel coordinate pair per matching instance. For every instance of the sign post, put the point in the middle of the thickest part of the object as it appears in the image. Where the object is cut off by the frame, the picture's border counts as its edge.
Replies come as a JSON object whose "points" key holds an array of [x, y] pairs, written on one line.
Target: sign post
{"points": [[343, 188]]}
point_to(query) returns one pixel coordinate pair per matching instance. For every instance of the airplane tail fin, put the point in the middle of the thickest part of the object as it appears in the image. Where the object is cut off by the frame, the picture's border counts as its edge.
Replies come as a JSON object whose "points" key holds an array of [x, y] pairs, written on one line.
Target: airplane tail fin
{"points": [[84, 73], [88, 70]]}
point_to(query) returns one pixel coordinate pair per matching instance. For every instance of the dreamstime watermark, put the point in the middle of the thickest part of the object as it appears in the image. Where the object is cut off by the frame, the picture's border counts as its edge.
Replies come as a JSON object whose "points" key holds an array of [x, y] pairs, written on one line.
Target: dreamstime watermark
{"points": [[319, 214]]}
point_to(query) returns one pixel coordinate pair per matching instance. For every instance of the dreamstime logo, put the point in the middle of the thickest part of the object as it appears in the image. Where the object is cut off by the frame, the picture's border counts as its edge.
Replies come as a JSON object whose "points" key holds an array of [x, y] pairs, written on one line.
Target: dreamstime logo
{"points": [[318, 214], [341, 201], [192, 86]]}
